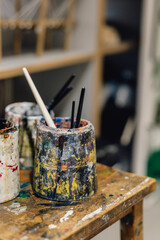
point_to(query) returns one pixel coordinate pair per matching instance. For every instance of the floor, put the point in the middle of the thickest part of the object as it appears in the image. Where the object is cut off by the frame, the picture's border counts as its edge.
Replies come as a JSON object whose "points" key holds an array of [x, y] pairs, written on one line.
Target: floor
{"points": [[151, 221]]}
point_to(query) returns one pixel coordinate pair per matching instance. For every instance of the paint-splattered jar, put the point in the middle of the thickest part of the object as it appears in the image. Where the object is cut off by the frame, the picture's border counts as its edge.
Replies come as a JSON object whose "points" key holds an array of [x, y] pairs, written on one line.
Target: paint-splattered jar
{"points": [[9, 161], [65, 162], [26, 116]]}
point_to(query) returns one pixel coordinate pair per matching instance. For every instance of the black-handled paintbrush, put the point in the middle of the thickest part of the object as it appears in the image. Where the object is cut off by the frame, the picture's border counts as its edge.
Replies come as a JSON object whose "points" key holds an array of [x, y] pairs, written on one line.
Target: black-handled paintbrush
{"points": [[80, 106], [58, 97], [64, 94], [72, 114]]}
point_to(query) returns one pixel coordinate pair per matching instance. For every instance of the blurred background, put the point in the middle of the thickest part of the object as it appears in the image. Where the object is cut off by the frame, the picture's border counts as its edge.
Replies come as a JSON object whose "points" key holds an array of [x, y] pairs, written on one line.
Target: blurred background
{"points": [[113, 48]]}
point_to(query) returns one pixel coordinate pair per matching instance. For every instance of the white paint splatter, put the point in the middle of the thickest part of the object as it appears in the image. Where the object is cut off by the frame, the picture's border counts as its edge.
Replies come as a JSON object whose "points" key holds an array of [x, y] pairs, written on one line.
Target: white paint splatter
{"points": [[15, 208], [137, 187], [14, 229], [124, 205], [88, 216], [105, 218], [15, 205], [24, 238], [122, 189], [126, 177], [52, 226], [113, 203], [65, 217], [91, 215]]}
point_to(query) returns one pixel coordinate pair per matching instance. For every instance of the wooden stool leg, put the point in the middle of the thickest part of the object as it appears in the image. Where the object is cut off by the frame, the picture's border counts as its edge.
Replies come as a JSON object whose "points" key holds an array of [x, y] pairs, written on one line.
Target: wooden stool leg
{"points": [[132, 224]]}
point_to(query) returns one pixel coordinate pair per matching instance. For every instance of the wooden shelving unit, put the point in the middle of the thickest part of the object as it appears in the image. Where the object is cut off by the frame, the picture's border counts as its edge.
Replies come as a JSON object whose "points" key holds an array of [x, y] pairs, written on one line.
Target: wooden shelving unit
{"points": [[43, 21], [12, 66], [83, 44]]}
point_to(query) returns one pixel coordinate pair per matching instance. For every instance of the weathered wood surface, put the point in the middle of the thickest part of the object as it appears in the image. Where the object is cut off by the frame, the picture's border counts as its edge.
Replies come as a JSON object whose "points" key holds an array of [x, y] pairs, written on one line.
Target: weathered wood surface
{"points": [[30, 217]]}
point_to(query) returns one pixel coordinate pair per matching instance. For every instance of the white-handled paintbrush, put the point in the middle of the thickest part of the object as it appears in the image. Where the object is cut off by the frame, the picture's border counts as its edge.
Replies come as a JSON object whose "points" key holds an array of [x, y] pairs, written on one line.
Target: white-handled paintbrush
{"points": [[39, 100]]}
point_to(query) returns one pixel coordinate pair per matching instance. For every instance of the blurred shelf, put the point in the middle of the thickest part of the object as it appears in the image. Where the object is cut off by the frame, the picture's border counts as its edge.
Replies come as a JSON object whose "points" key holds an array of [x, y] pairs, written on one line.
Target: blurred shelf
{"points": [[27, 24], [12, 66], [118, 48]]}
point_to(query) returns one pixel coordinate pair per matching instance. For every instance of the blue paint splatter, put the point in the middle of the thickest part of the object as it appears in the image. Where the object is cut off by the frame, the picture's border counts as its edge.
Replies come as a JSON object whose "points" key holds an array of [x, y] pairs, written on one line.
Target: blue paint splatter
{"points": [[111, 195], [24, 194], [26, 184], [67, 120], [58, 119]]}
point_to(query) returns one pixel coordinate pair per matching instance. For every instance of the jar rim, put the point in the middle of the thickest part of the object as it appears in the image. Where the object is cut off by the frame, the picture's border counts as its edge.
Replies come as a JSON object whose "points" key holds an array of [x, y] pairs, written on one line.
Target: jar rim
{"points": [[10, 107], [67, 131]]}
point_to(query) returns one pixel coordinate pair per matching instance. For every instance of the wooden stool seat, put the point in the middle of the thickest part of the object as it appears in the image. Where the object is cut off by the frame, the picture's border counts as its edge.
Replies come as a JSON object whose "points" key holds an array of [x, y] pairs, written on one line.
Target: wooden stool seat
{"points": [[119, 197]]}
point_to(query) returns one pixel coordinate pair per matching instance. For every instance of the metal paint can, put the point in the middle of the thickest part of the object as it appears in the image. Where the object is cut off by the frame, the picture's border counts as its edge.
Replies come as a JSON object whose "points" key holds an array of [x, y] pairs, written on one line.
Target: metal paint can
{"points": [[65, 162], [26, 116], [9, 161]]}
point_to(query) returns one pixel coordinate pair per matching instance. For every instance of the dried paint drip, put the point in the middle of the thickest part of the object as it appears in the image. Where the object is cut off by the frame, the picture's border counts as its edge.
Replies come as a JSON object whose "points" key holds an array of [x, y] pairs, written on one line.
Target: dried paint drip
{"points": [[9, 161], [26, 116], [65, 163]]}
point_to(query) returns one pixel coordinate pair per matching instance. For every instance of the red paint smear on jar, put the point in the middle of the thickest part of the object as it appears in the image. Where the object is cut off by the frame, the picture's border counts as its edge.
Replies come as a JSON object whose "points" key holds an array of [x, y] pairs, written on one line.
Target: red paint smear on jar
{"points": [[13, 167]]}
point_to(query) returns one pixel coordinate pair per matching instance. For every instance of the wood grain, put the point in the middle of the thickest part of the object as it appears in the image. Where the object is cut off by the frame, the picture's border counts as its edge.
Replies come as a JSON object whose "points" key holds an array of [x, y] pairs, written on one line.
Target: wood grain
{"points": [[30, 217]]}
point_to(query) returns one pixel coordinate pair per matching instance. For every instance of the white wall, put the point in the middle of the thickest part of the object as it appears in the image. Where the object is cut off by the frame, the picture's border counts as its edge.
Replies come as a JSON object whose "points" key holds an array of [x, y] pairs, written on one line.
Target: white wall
{"points": [[146, 89]]}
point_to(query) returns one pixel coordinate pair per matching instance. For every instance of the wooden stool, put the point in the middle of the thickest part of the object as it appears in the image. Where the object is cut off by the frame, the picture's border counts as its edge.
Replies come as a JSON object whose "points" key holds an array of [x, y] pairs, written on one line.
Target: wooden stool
{"points": [[119, 197]]}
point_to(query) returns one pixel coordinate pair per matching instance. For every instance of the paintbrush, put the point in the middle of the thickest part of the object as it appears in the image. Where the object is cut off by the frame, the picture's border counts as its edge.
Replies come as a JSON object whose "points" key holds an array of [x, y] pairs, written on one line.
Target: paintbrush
{"points": [[58, 98], [80, 106], [72, 114], [39, 100]]}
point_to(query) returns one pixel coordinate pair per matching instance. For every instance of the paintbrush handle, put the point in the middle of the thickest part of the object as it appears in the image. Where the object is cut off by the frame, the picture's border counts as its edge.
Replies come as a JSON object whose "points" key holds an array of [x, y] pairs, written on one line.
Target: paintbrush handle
{"points": [[58, 98], [72, 114], [80, 106], [39, 100], [50, 105]]}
